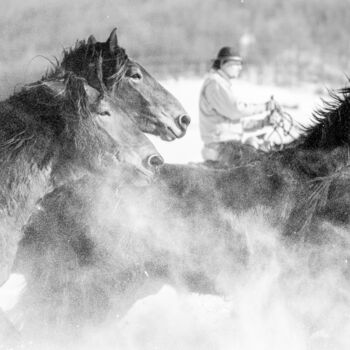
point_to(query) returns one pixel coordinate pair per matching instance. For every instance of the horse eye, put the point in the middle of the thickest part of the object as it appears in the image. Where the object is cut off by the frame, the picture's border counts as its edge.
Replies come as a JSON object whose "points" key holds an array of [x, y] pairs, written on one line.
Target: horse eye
{"points": [[136, 76], [105, 113]]}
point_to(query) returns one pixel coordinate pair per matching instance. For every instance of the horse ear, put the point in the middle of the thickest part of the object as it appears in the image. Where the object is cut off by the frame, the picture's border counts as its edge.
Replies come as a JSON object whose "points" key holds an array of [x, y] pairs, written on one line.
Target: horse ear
{"points": [[113, 41], [58, 87], [92, 94], [91, 40]]}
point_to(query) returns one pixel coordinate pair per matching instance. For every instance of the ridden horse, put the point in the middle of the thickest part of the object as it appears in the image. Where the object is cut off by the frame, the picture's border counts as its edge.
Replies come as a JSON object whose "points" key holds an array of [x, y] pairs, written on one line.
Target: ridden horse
{"points": [[313, 170], [54, 131], [105, 65]]}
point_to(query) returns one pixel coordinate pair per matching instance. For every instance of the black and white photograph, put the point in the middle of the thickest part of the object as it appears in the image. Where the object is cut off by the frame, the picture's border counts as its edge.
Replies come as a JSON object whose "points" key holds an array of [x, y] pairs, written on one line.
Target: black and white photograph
{"points": [[174, 175]]}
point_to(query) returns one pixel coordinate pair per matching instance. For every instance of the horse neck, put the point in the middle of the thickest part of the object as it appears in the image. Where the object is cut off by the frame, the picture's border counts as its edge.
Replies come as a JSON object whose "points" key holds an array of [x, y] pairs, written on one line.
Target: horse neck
{"points": [[26, 153]]}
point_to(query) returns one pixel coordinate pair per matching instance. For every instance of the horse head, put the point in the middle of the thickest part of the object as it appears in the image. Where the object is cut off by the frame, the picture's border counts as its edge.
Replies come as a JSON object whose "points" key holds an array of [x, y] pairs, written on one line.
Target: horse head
{"points": [[97, 135], [105, 65]]}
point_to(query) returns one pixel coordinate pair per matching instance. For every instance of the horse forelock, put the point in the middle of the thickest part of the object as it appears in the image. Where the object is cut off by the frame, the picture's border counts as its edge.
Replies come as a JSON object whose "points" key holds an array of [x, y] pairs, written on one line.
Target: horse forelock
{"points": [[331, 127], [82, 59], [122, 61], [76, 95]]}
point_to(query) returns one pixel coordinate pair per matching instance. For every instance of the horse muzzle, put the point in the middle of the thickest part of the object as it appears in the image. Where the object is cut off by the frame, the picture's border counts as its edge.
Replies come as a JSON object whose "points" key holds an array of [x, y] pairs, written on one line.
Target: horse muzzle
{"points": [[184, 121], [154, 161]]}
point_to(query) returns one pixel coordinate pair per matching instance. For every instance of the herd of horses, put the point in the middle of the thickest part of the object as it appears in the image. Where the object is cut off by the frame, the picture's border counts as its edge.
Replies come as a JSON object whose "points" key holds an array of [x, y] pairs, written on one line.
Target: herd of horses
{"points": [[94, 219]]}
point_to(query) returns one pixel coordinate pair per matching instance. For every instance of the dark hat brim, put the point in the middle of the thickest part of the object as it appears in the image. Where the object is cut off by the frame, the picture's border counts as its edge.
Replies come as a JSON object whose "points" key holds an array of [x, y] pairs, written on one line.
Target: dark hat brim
{"points": [[228, 58]]}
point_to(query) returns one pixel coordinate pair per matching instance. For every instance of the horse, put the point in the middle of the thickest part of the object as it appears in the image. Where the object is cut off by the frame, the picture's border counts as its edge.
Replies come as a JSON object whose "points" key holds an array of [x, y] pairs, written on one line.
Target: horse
{"points": [[107, 67], [86, 259], [313, 169], [134, 151], [147, 235], [55, 131]]}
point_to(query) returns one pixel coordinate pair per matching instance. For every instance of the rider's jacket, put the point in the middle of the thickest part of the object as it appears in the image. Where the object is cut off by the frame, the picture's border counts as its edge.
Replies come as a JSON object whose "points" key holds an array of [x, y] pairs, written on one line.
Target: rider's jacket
{"points": [[220, 110]]}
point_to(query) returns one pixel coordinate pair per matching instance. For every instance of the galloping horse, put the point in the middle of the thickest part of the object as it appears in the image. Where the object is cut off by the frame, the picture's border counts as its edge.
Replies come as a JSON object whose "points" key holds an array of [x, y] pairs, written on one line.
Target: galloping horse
{"points": [[55, 131], [134, 151], [314, 167], [154, 230], [105, 65]]}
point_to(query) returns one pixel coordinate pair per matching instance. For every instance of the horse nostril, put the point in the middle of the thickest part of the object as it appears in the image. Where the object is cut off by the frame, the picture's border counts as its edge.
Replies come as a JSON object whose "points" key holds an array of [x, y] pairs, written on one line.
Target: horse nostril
{"points": [[155, 161], [184, 121]]}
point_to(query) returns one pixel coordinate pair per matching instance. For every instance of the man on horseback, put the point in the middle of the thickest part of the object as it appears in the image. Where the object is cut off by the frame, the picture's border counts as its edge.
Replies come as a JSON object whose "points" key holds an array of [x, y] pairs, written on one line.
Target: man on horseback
{"points": [[222, 113]]}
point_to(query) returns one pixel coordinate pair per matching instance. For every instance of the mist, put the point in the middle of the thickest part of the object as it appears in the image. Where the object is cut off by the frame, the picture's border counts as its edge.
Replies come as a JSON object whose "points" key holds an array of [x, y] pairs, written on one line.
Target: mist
{"points": [[185, 282]]}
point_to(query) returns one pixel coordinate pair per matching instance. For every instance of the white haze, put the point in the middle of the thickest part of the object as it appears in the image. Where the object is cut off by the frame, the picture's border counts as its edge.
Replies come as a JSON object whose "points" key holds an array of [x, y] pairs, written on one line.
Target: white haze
{"points": [[286, 297]]}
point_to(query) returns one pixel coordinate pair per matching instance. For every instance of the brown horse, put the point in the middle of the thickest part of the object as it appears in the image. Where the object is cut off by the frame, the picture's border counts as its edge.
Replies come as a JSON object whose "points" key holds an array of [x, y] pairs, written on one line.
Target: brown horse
{"points": [[317, 163], [105, 65], [54, 131], [134, 152], [87, 256]]}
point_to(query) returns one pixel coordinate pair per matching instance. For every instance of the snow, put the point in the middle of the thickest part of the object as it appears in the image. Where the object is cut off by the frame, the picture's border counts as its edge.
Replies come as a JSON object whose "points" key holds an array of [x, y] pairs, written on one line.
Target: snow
{"points": [[10, 291]]}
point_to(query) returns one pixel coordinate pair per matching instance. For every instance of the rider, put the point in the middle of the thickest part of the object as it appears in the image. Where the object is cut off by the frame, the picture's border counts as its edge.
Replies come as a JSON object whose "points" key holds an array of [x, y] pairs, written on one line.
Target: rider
{"points": [[221, 112]]}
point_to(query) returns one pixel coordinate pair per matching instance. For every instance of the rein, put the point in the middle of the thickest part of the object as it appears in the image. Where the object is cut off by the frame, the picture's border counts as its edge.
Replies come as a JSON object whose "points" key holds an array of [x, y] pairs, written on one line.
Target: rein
{"points": [[282, 126]]}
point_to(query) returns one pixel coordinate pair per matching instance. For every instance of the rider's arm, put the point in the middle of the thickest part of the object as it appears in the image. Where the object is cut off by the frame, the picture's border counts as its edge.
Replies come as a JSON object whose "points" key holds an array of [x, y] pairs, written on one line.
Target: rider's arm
{"points": [[249, 109], [224, 101]]}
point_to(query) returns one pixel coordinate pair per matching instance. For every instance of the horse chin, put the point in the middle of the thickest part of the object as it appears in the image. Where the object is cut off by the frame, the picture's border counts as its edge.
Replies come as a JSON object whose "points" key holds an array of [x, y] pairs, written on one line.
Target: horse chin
{"points": [[163, 126], [166, 131], [142, 182], [137, 176], [168, 135], [174, 132], [141, 179]]}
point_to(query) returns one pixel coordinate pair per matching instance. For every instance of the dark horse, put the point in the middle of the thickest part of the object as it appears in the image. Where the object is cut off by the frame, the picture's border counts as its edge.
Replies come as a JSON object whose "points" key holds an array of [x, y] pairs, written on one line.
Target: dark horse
{"points": [[110, 251], [123, 85], [133, 150], [55, 131], [105, 65]]}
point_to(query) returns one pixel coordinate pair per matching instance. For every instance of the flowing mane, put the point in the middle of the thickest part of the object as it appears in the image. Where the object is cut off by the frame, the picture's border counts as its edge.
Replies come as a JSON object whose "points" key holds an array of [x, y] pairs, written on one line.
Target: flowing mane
{"points": [[62, 119], [49, 134], [332, 123], [112, 64], [34, 121]]}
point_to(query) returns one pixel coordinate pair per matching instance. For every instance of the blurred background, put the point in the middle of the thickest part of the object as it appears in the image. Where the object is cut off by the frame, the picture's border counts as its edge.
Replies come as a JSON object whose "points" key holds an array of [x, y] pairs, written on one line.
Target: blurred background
{"points": [[283, 42]]}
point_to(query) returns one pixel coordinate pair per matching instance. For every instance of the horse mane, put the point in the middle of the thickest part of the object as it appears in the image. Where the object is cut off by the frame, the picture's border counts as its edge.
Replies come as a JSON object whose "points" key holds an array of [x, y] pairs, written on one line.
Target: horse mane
{"points": [[331, 123], [38, 106], [29, 123], [59, 123], [85, 57]]}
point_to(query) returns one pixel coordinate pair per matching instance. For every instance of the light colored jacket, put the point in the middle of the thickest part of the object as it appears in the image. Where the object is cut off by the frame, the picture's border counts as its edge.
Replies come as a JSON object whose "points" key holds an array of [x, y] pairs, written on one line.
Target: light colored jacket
{"points": [[221, 111]]}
